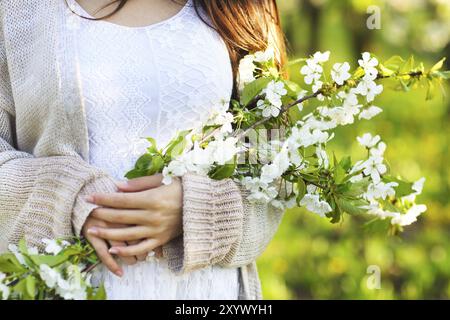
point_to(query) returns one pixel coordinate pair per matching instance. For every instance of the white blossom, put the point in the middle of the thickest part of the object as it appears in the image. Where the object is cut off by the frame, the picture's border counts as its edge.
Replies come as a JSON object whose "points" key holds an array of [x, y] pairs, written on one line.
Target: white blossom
{"points": [[220, 116], [246, 71], [410, 216], [300, 96], [370, 113], [274, 91], [4, 289], [380, 190], [379, 150], [368, 141], [265, 56], [356, 178], [342, 116], [320, 57], [52, 246], [222, 151], [322, 158], [368, 88], [176, 168], [268, 110], [369, 64], [49, 276], [418, 185], [19, 256], [374, 168], [279, 165], [313, 203], [340, 73], [312, 72]]}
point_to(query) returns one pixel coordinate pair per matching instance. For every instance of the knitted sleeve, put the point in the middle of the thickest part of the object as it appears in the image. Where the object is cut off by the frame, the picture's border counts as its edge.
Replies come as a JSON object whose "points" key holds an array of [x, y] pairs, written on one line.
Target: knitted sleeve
{"points": [[40, 197], [220, 226]]}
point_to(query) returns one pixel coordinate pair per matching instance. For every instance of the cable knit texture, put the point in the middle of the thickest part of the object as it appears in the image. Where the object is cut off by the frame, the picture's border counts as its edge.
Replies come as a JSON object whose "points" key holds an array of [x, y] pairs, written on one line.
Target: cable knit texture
{"points": [[44, 156]]}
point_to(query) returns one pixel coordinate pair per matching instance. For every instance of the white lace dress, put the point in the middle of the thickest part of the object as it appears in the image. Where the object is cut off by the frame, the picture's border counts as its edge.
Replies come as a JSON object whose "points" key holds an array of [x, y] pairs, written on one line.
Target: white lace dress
{"points": [[142, 82]]}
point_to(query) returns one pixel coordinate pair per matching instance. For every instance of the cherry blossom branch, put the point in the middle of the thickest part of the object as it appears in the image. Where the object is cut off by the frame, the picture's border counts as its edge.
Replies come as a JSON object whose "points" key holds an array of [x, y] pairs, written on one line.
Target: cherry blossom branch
{"points": [[314, 95]]}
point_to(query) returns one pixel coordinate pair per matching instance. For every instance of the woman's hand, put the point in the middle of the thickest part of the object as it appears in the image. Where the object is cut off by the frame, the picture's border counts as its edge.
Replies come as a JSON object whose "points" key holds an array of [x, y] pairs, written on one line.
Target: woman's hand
{"points": [[153, 211], [101, 246]]}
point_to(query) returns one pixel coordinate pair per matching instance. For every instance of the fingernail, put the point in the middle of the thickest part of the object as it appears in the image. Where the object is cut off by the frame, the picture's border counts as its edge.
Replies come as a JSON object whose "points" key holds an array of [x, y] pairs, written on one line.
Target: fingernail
{"points": [[114, 251], [119, 273], [122, 184], [89, 198], [93, 231]]}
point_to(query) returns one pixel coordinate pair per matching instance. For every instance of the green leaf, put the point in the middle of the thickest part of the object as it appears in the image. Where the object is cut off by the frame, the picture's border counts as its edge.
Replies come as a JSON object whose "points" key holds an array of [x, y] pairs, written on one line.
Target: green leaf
{"points": [[404, 85], [223, 172], [301, 186], [253, 89], [352, 207], [438, 66], [356, 189], [153, 148], [177, 145], [394, 63], [346, 163], [431, 90], [386, 72], [30, 286], [136, 173], [404, 188], [23, 246], [26, 288], [408, 66], [443, 74], [144, 162], [51, 261], [10, 264]]}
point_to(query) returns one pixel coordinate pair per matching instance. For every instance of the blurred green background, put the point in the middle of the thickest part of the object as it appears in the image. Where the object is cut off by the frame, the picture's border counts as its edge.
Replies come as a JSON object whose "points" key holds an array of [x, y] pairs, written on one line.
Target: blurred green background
{"points": [[311, 259]]}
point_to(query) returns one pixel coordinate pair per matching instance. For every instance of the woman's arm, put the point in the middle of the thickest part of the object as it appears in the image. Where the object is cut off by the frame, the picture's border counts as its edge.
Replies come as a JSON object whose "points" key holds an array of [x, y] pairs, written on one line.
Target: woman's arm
{"points": [[40, 197], [220, 226]]}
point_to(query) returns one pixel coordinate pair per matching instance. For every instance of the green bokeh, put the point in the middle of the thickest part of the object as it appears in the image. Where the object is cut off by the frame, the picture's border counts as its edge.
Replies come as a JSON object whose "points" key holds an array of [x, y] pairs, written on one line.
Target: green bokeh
{"points": [[311, 259]]}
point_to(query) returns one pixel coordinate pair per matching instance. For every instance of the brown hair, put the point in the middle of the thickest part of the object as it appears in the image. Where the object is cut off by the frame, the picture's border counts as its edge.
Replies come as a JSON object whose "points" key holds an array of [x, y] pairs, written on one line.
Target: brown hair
{"points": [[245, 25]]}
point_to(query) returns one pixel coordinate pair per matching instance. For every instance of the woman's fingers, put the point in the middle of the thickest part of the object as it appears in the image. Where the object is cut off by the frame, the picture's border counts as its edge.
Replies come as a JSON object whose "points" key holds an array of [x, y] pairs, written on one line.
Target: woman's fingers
{"points": [[140, 184], [142, 248], [118, 216], [101, 248], [127, 260], [141, 257], [122, 234], [118, 200]]}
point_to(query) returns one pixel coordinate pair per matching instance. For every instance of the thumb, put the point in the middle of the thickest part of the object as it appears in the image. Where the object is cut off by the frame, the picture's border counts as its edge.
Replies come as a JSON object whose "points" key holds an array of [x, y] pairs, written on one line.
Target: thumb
{"points": [[140, 184]]}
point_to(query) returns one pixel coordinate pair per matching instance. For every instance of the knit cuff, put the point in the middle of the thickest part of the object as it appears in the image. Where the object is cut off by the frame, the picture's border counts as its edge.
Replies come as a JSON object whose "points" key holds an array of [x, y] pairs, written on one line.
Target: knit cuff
{"points": [[82, 209], [212, 224]]}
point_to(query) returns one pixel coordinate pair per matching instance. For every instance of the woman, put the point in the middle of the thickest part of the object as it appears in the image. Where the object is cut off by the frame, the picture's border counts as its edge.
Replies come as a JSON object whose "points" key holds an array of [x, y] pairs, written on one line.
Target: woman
{"points": [[81, 83]]}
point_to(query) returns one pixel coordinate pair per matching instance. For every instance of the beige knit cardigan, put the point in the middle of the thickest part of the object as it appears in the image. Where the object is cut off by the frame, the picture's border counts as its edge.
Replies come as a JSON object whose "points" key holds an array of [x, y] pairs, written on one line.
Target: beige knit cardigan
{"points": [[44, 169]]}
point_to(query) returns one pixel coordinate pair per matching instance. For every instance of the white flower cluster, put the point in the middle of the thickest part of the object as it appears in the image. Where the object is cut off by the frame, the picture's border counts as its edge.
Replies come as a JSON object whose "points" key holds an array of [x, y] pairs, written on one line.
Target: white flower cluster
{"points": [[397, 218], [201, 160], [67, 280], [374, 166], [313, 71], [312, 202], [314, 130], [72, 288], [248, 68], [271, 105], [378, 190]]}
